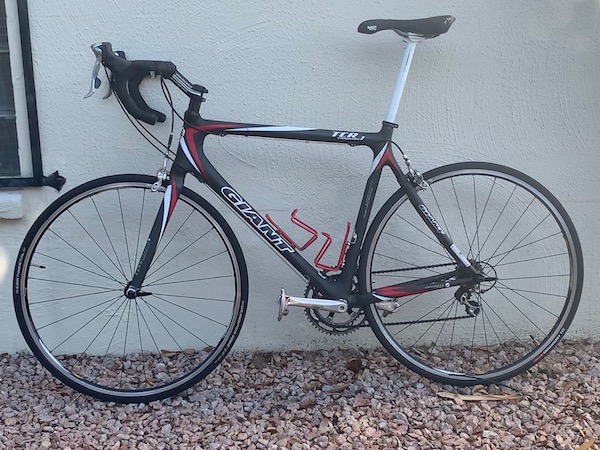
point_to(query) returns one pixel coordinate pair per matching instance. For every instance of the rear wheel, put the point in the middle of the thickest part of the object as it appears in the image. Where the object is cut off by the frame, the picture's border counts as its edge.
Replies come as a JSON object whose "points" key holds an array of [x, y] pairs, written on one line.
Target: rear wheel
{"points": [[510, 227], [73, 269]]}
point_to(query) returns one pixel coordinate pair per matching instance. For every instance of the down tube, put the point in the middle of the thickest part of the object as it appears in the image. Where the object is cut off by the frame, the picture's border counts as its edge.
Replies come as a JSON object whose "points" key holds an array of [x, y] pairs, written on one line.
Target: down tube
{"points": [[256, 221]]}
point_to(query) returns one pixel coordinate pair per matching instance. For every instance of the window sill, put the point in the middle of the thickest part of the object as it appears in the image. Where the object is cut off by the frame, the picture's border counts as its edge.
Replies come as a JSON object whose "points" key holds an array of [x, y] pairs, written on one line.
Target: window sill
{"points": [[11, 205], [55, 180]]}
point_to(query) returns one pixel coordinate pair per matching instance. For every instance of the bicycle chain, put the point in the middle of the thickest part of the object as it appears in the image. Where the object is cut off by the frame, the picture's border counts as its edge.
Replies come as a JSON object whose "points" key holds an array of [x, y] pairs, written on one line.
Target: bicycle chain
{"points": [[412, 322], [433, 266]]}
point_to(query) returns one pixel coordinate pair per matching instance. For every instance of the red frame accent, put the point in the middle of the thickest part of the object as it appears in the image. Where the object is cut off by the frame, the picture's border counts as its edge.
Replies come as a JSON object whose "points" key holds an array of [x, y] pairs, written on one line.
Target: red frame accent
{"points": [[191, 143], [216, 126], [388, 158], [395, 292]]}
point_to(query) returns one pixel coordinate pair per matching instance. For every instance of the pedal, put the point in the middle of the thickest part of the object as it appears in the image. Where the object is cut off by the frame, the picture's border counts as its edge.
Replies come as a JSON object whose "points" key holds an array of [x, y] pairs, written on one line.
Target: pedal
{"points": [[388, 307], [283, 305]]}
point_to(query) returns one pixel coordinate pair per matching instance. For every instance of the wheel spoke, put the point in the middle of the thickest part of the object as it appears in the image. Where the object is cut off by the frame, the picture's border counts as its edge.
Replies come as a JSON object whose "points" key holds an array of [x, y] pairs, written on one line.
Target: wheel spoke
{"points": [[116, 299], [187, 267], [82, 268], [462, 218], [139, 233], [157, 269], [219, 277], [77, 313], [120, 268], [496, 222], [69, 244]]}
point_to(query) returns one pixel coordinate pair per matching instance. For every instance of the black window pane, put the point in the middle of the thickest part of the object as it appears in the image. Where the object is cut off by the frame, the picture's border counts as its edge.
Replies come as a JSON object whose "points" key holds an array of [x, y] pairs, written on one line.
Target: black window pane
{"points": [[3, 33], [9, 154], [6, 90], [9, 157]]}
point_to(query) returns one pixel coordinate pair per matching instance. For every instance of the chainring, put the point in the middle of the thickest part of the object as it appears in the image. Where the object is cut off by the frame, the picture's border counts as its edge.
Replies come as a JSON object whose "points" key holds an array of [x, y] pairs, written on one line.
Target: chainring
{"points": [[331, 322]]}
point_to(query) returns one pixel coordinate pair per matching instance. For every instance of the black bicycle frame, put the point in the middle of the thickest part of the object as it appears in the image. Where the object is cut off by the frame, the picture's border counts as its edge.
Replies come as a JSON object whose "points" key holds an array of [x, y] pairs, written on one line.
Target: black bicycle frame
{"points": [[190, 158]]}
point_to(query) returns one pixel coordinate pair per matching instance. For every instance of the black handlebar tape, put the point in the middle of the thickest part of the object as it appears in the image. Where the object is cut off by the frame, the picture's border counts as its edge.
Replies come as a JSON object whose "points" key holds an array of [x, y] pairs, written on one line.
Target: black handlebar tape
{"points": [[134, 90], [129, 104], [127, 78], [115, 63], [164, 68]]}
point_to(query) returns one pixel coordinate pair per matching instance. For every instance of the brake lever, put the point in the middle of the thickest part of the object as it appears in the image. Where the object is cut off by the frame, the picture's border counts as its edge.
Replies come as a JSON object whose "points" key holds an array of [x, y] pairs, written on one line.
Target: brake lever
{"points": [[109, 92], [96, 82]]}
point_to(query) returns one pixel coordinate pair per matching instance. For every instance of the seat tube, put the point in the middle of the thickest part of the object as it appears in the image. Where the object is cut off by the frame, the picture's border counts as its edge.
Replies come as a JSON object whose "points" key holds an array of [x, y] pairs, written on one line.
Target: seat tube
{"points": [[401, 81]]}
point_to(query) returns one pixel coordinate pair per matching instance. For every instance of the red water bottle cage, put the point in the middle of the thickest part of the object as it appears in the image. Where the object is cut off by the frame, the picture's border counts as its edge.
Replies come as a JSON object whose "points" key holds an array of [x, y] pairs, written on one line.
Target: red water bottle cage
{"points": [[314, 235], [325, 247], [302, 225]]}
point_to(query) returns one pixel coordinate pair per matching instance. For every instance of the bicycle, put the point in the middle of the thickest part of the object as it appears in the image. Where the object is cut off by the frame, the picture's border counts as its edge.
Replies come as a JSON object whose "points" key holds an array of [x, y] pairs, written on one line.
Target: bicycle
{"points": [[469, 273]]}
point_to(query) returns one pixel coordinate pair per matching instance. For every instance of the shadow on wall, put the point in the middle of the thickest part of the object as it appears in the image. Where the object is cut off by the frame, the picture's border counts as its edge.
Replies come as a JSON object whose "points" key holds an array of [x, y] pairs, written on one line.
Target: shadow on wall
{"points": [[3, 264]]}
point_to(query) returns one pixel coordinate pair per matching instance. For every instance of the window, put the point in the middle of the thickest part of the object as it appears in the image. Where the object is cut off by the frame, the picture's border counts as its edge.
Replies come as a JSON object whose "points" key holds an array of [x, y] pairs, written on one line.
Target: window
{"points": [[20, 156], [9, 155]]}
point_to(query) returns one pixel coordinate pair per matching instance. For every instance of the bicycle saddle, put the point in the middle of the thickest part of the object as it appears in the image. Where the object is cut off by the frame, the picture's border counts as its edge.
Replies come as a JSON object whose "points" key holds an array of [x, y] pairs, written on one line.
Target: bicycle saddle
{"points": [[425, 28]]}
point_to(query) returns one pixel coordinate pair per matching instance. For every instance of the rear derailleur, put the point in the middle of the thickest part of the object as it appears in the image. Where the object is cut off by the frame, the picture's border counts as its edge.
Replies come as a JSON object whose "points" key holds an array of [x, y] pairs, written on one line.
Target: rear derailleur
{"points": [[464, 297]]}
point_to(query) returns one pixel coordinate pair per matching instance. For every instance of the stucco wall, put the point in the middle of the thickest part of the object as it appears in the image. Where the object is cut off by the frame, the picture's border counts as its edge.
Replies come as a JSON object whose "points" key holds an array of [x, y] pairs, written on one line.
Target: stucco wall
{"points": [[512, 82]]}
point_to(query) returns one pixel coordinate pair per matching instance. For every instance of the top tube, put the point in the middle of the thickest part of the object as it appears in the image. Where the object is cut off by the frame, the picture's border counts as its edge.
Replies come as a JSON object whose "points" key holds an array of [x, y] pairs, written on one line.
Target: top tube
{"points": [[354, 138]]}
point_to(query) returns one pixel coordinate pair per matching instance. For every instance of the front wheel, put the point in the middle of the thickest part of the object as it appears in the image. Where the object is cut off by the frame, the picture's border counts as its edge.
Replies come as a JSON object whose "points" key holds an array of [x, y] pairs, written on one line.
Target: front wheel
{"points": [[514, 231], [72, 273]]}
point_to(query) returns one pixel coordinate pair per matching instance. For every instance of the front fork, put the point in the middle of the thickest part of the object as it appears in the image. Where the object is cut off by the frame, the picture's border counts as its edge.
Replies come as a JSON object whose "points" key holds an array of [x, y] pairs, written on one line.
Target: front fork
{"points": [[171, 195]]}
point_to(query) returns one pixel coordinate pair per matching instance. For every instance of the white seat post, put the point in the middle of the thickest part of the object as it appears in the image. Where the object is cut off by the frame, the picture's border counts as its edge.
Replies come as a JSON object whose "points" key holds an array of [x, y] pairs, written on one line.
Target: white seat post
{"points": [[404, 68]]}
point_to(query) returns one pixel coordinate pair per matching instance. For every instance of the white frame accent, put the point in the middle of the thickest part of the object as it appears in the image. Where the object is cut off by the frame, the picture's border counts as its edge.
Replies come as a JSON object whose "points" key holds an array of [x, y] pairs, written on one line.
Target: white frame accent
{"points": [[401, 80]]}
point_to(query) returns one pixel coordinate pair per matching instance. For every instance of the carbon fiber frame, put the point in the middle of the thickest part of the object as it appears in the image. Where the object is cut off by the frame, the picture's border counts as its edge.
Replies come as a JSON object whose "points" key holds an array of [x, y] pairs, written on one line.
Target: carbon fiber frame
{"points": [[190, 158]]}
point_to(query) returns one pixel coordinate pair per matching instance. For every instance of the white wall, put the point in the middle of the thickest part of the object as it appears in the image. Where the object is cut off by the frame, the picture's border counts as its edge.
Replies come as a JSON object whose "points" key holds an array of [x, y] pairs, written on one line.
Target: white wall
{"points": [[512, 82]]}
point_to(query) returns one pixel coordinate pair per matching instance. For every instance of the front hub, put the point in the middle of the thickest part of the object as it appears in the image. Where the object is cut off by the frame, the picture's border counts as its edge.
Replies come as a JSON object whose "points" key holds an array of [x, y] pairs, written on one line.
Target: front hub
{"points": [[131, 292]]}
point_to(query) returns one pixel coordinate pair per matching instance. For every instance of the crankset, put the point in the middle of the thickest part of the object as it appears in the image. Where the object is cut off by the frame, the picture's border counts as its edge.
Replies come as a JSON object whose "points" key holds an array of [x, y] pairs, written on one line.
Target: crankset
{"points": [[334, 322]]}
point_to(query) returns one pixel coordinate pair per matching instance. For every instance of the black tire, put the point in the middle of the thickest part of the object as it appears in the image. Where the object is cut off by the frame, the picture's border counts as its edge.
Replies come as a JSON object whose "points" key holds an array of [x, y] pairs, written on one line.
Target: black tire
{"points": [[517, 232], [69, 282]]}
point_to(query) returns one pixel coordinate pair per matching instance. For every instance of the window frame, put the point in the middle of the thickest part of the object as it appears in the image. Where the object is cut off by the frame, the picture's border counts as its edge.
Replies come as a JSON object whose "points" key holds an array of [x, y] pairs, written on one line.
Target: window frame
{"points": [[38, 178]]}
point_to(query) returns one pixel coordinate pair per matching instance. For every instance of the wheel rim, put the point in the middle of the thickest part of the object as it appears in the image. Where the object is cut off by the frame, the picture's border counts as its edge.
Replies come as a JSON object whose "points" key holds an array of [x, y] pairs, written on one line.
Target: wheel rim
{"points": [[530, 251], [111, 345]]}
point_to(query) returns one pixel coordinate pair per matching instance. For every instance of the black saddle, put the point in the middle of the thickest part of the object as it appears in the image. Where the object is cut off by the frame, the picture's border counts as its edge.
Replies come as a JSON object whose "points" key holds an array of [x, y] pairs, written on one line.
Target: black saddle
{"points": [[424, 28]]}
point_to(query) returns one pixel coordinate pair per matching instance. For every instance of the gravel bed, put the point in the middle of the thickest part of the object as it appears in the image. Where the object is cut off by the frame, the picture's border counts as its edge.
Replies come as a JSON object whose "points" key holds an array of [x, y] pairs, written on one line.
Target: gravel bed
{"points": [[360, 399]]}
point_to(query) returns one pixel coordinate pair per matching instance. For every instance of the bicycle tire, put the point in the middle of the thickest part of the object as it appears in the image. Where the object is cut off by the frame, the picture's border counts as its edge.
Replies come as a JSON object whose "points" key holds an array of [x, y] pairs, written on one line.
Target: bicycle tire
{"points": [[69, 284], [521, 316]]}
